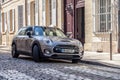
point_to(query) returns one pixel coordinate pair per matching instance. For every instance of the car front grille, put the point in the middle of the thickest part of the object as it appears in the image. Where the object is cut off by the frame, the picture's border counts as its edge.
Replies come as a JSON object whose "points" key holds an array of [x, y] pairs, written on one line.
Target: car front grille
{"points": [[66, 49]]}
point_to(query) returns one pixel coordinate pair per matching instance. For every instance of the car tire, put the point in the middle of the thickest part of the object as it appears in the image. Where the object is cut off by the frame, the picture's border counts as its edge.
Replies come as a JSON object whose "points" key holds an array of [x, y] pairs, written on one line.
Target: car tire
{"points": [[36, 53], [14, 51], [75, 60]]}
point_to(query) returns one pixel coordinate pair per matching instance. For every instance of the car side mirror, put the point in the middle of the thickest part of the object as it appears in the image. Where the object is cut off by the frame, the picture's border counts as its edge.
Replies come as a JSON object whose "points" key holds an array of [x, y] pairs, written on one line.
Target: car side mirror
{"points": [[29, 34], [69, 34]]}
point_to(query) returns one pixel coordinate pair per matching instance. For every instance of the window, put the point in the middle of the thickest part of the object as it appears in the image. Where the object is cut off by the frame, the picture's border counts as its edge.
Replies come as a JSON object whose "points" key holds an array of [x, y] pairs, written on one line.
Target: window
{"points": [[53, 12], [44, 12], [20, 16], [36, 12], [102, 15], [12, 20], [50, 6], [4, 23]]}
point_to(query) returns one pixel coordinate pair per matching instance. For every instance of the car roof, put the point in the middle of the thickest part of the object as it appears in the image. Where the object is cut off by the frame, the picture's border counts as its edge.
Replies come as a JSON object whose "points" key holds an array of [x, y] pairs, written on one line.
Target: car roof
{"points": [[44, 27]]}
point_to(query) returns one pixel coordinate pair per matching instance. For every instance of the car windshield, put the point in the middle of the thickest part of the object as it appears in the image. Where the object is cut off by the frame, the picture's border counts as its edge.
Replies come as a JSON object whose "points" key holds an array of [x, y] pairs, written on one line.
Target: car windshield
{"points": [[54, 32], [49, 32]]}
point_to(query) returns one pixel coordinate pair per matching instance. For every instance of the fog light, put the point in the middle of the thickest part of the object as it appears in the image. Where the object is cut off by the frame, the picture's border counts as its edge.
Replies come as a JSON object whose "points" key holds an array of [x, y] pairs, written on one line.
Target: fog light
{"points": [[47, 51]]}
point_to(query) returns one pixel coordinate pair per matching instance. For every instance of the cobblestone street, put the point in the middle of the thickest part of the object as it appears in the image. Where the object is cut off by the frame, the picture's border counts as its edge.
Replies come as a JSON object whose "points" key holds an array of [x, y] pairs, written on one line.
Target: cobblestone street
{"points": [[24, 68]]}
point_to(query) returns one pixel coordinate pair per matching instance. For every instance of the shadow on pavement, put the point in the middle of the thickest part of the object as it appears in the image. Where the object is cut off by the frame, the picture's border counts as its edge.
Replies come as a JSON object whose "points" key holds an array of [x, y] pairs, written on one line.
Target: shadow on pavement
{"points": [[45, 60], [69, 62]]}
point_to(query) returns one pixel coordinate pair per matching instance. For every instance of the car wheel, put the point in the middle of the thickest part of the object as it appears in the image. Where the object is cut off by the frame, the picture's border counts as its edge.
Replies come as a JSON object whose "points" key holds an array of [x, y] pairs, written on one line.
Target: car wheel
{"points": [[14, 51], [75, 60], [36, 53]]}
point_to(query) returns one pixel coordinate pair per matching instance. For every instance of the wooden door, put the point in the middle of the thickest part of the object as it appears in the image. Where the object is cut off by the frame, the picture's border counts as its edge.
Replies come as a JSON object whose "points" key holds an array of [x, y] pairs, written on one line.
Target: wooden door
{"points": [[80, 24]]}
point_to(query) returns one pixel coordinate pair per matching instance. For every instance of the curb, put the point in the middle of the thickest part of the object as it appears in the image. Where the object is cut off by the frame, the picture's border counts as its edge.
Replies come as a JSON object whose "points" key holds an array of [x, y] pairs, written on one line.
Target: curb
{"points": [[104, 64]]}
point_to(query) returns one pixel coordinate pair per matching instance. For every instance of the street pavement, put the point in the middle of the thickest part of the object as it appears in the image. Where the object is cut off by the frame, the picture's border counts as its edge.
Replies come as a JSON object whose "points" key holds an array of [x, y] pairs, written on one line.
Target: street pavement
{"points": [[24, 68]]}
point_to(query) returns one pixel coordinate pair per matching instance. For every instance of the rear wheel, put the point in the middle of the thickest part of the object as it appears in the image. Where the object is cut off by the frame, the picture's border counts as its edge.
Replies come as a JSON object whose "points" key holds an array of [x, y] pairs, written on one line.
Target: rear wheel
{"points": [[14, 51], [36, 53]]}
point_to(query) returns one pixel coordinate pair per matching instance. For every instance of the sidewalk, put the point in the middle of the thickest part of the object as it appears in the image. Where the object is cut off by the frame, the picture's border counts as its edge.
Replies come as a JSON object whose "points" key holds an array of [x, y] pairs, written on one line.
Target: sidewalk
{"points": [[103, 58], [5, 48]]}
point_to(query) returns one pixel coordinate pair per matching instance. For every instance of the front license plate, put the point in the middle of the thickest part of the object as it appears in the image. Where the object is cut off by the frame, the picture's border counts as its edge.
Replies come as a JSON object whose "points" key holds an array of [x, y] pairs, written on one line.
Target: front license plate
{"points": [[68, 50]]}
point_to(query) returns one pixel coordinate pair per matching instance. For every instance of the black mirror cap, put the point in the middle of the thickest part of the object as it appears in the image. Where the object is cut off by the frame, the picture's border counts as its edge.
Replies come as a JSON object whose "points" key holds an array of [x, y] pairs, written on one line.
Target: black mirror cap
{"points": [[29, 33]]}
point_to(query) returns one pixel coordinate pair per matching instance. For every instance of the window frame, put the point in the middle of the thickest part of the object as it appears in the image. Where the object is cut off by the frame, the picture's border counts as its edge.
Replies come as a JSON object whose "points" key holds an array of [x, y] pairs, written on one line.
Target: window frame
{"points": [[98, 15]]}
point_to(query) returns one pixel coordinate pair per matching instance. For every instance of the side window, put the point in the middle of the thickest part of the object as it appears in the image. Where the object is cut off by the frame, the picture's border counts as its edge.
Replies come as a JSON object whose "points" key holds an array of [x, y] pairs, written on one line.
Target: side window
{"points": [[38, 31], [30, 29], [22, 31]]}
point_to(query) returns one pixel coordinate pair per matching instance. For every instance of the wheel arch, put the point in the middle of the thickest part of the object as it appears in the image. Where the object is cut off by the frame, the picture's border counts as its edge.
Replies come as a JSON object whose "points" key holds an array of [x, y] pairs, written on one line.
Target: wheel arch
{"points": [[35, 43]]}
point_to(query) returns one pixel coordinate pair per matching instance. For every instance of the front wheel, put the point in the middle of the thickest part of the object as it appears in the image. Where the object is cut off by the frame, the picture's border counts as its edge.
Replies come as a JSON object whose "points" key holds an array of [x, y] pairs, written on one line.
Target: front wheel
{"points": [[14, 51], [36, 53]]}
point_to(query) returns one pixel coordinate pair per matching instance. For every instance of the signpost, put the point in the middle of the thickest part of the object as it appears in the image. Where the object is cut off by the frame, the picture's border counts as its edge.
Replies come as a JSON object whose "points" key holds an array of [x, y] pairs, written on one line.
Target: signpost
{"points": [[110, 45]]}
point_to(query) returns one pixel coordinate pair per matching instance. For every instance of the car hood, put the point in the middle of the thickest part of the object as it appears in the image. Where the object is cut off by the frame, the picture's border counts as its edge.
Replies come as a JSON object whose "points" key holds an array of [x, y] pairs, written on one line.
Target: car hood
{"points": [[64, 40]]}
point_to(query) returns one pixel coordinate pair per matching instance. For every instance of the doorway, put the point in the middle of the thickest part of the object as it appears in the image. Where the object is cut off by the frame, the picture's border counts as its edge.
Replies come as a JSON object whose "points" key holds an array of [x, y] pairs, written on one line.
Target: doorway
{"points": [[80, 24]]}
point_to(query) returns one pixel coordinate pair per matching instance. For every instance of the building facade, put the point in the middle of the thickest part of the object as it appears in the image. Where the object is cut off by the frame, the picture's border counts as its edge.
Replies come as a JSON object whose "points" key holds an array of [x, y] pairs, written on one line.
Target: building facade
{"points": [[92, 21], [0, 25], [19, 13]]}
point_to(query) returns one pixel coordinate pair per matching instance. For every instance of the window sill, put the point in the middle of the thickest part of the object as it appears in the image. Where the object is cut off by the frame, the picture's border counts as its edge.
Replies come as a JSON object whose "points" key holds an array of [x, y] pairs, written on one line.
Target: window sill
{"points": [[101, 32], [3, 33], [11, 32]]}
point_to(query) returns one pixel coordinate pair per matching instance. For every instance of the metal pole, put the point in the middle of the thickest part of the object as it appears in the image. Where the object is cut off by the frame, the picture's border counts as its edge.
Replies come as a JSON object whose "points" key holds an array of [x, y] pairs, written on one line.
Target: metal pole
{"points": [[110, 45]]}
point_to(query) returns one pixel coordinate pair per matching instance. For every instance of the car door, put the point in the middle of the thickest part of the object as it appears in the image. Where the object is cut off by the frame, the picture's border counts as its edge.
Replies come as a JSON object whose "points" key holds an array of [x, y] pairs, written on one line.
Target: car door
{"points": [[28, 40], [19, 39]]}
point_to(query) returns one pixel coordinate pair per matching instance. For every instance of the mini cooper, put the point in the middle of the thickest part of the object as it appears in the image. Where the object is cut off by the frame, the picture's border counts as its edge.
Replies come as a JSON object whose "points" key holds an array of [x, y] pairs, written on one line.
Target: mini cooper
{"points": [[41, 42]]}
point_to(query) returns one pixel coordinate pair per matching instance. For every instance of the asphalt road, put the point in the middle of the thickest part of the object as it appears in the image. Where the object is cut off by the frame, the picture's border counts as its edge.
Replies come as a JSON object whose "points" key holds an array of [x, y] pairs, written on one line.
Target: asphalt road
{"points": [[24, 68]]}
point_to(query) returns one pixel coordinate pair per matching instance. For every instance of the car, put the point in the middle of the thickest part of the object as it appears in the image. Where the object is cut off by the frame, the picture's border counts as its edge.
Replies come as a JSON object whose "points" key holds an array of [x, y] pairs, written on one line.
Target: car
{"points": [[42, 42]]}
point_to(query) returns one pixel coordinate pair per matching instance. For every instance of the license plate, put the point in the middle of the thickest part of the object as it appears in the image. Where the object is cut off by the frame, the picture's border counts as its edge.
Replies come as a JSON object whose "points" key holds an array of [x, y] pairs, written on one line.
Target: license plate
{"points": [[68, 50]]}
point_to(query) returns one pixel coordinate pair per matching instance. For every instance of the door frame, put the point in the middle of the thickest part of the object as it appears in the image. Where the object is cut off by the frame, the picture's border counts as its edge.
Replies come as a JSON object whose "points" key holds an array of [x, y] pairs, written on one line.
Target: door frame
{"points": [[79, 4]]}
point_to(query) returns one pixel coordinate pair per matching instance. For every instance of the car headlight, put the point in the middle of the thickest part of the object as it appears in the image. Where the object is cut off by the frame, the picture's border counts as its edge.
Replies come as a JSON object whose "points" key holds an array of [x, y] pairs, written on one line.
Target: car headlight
{"points": [[47, 41]]}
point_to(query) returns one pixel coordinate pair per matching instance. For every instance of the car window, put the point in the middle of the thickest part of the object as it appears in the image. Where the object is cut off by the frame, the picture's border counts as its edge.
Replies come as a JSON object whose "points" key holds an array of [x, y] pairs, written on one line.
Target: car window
{"points": [[39, 31], [22, 31], [30, 29], [54, 32]]}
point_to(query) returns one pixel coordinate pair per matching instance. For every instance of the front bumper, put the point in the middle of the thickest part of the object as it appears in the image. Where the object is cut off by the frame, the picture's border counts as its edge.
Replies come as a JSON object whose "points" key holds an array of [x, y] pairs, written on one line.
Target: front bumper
{"points": [[55, 55], [65, 56]]}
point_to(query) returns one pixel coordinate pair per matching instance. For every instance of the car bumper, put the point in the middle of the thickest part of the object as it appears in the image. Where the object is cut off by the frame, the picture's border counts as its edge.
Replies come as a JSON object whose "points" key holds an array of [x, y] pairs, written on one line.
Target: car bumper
{"points": [[54, 55], [64, 56]]}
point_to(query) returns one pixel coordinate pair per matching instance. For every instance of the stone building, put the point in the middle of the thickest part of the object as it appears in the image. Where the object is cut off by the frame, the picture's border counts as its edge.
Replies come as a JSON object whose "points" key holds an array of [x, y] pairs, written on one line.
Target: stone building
{"points": [[19, 13], [92, 21]]}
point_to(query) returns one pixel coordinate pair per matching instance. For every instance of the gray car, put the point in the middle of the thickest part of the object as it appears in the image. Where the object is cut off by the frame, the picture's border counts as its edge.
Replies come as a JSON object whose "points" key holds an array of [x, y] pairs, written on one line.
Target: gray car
{"points": [[46, 42]]}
